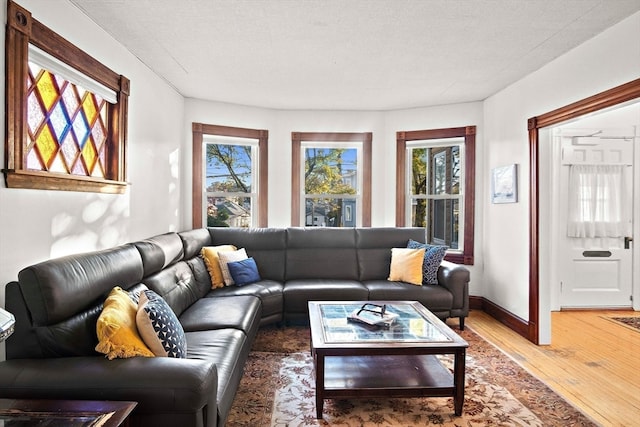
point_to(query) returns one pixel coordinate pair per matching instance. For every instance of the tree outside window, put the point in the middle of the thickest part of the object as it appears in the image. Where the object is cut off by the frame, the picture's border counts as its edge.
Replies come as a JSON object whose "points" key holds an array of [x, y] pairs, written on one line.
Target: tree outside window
{"points": [[229, 183], [435, 187], [435, 193], [229, 176], [331, 186], [331, 179]]}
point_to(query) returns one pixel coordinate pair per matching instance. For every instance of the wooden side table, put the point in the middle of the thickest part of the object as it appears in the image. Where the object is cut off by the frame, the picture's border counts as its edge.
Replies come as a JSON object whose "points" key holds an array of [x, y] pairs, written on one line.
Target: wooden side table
{"points": [[68, 413]]}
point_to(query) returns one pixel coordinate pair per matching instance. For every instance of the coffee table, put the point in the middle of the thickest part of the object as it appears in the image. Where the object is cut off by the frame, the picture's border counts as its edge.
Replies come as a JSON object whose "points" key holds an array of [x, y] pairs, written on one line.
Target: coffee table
{"points": [[67, 413], [355, 360]]}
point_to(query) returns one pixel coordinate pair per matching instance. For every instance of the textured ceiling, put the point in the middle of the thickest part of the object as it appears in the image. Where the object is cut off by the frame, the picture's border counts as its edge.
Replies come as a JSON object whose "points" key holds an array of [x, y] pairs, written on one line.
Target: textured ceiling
{"points": [[350, 54]]}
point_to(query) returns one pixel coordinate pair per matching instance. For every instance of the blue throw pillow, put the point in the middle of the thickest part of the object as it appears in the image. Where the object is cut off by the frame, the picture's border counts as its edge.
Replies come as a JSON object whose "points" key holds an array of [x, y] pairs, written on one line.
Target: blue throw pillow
{"points": [[433, 256], [244, 272]]}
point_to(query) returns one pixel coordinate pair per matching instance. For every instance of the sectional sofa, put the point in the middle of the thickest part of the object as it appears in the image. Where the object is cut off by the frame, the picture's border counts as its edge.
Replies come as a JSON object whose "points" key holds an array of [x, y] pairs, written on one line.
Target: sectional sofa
{"points": [[52, 355]]}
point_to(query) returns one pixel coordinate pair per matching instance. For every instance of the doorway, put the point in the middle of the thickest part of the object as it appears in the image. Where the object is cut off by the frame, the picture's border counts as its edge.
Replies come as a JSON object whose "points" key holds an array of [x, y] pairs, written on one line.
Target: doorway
{"points": [[540, 255], [591, 224]]}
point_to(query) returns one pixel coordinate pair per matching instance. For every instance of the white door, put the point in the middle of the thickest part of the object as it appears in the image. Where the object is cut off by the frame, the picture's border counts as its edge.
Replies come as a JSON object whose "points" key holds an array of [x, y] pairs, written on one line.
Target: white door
{"points": [[596, 271]]}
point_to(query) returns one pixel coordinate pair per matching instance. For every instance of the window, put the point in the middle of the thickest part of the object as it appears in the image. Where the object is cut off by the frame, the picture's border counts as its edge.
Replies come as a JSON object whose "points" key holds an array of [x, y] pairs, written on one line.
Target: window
{"points": [[233, 162], [331, 179], [66, 113], [435, 187]]}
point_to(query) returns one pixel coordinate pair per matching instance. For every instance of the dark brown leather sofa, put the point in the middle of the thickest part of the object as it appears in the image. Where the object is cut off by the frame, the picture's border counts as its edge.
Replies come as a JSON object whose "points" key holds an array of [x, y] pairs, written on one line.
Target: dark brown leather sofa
{"points": [[57, 302]]}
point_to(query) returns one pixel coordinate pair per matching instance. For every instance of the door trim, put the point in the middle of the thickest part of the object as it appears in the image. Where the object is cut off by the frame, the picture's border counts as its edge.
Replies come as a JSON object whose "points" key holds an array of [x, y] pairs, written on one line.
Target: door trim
{"points": [[615, 96]]}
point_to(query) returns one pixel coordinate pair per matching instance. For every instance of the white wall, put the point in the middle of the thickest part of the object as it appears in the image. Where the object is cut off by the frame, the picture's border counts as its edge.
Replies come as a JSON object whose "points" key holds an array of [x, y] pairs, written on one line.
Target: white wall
{"points": [[608, 60], [36, 225], [383, 125]]}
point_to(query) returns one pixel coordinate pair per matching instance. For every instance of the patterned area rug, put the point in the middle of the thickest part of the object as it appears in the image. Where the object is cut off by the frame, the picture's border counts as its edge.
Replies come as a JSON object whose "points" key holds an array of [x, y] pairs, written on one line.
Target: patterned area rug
{"points": [[278, 390], [632, 322]]}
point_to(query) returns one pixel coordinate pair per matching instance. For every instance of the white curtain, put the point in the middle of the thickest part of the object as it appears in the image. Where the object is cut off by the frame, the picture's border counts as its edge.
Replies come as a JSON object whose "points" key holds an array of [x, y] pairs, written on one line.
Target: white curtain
{"points": [[598, 201]]}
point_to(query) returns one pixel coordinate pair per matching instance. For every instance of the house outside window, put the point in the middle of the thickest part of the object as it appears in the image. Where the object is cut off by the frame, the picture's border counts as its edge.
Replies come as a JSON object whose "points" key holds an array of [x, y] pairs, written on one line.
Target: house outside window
{"points": [[435, 187], [66, 113], [229, 176], [331, 179], [230, 181]]}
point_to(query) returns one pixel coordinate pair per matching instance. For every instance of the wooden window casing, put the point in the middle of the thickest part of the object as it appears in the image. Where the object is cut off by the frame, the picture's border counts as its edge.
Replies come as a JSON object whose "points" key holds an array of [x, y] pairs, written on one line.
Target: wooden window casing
{"points": [[296, 164], [262, 136], [22, 30], [469, 135]]}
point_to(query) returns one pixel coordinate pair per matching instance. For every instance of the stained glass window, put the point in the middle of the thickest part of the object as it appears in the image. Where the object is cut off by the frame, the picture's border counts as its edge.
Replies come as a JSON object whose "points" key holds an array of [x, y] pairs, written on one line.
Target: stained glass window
{"points": [[66, 113], [67, 126]]}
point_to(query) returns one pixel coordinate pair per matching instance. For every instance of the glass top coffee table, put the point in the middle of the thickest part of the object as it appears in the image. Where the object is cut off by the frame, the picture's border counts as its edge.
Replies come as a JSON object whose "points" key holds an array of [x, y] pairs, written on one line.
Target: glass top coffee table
{"points": [[354, 360]]}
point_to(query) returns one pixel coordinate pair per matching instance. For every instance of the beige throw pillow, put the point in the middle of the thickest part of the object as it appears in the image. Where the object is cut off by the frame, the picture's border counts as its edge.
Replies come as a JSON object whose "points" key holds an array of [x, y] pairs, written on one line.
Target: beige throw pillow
{"points": [[227, 257]]}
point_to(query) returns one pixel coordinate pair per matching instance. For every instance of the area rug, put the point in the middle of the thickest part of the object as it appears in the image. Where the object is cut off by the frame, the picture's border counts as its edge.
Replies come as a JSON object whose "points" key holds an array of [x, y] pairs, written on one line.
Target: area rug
{"points": [[632, 322], [277, 390]]}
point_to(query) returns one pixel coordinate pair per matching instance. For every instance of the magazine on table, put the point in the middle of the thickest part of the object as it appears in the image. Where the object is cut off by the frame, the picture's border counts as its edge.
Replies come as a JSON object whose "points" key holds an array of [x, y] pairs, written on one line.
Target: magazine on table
{"points": [[372, 314]]}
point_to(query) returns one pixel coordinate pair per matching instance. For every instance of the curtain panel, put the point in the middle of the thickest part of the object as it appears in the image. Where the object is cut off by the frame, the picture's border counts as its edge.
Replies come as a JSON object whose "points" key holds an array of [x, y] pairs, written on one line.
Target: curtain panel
{"points": [[598, 202]]}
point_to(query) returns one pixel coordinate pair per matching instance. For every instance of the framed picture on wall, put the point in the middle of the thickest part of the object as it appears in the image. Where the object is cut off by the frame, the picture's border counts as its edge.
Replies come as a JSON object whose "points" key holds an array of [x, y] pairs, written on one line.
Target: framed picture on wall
{"points": [[504, 184]]}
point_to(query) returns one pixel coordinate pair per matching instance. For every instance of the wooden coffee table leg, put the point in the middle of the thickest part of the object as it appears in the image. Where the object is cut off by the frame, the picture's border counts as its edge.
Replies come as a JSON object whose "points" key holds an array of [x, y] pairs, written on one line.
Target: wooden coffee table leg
{"points": [[458, 378], [319, 362]]}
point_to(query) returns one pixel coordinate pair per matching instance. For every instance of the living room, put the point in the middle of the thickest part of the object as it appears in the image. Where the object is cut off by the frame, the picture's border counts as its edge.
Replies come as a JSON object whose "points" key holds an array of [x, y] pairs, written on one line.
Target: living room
{"points": [[39, 225]]}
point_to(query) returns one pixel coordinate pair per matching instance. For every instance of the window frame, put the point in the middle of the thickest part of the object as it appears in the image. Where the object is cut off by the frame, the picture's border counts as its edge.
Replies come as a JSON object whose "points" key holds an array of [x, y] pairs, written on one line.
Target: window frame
{"points": [[469, 135], [261, 135], [22, 30], [297, 139]]}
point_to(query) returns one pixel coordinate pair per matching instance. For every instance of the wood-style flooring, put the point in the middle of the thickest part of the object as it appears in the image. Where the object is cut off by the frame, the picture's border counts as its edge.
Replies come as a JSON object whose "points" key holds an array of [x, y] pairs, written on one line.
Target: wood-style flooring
{"points": [[592, 362]]}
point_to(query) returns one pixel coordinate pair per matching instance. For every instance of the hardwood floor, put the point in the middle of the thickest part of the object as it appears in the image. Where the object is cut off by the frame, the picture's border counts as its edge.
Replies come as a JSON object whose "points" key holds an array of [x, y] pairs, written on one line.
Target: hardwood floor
{"points": [[592, 362]]}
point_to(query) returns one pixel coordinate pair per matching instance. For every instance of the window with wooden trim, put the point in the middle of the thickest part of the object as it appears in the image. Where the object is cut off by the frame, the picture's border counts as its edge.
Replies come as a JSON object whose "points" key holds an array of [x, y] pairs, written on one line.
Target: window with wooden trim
{"points": [[66, 113], [331, 179], [435, 187], [229, 176]]}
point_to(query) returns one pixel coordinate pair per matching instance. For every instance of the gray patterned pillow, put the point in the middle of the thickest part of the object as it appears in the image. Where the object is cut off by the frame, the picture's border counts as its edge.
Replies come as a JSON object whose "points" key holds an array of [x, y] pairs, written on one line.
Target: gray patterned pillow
{"points": [[433, 256], [159, 327]]}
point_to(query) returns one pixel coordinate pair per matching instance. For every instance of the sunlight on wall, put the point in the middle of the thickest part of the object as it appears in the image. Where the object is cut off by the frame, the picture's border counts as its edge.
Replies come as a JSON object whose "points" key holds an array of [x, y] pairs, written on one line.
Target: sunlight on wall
{"points": [[174, 192], [101, 223]]}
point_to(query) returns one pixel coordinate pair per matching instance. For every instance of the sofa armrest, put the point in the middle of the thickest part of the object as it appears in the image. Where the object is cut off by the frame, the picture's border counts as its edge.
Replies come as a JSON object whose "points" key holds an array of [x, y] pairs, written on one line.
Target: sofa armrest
{"points": [[158, 384], [455, 278]]}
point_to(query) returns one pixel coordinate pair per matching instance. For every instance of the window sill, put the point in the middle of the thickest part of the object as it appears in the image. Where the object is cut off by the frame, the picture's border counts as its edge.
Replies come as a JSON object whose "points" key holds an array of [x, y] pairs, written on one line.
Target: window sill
{"points": [[49, 181], [459, 258]]}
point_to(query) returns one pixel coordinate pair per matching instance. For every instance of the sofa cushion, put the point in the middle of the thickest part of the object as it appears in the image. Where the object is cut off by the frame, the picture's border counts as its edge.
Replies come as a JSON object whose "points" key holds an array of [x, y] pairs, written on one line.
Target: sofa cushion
{"points": [[159, 251], [193, 240], [227, 257], [321, 253], [116, 328], [268, 291], [433, 256], [433, 297], [159, 327], [297, 293], [228, 349], [373, 246], [406, 265], [239, 312], [57, 289], [267, 246], [177, 285], [212, 261], [244, 272]]}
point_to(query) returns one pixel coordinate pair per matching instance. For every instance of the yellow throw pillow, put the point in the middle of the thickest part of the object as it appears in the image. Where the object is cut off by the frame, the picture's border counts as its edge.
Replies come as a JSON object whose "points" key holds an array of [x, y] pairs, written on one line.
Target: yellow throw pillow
{"points": [[211, 260], [116, 328], [406, 265]]}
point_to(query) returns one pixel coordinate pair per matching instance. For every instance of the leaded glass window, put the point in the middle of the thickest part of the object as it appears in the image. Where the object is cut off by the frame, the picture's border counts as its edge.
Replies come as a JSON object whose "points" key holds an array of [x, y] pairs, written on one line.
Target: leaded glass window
{"points": [[67, 126], [66, 113]]}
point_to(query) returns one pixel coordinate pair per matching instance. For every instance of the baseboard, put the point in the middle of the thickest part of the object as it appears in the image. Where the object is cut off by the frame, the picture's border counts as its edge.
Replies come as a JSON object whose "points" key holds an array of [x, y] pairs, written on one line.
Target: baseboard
{"points": [[475, 303], [505, 317]]}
